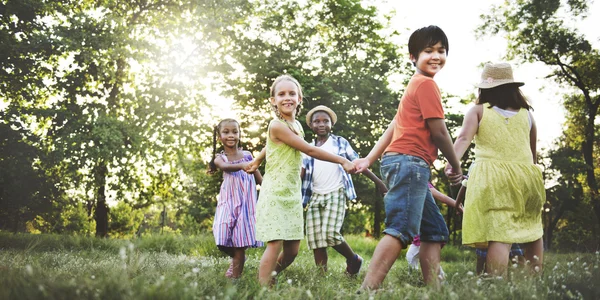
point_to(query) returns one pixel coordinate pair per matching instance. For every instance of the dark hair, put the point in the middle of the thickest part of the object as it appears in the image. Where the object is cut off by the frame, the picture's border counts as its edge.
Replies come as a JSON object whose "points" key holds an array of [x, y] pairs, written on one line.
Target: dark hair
{"points": [[504, 96], [426, 37], [272, 92], [212, 168]]}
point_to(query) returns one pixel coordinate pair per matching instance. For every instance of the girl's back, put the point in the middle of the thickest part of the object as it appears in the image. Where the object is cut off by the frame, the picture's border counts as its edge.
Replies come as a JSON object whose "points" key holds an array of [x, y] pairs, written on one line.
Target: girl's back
{"points": [[503, 138]]}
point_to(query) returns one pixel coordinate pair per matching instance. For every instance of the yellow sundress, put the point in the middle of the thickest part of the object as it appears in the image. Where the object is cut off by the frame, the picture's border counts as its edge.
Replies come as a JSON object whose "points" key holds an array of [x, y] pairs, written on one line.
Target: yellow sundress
{"points": [[505, 193], [279, 208]]}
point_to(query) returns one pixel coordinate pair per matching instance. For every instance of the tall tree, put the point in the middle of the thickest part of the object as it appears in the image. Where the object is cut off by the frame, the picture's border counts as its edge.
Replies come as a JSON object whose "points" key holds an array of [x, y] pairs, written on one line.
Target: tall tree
{"points": [[542, 31], [338, 52]]}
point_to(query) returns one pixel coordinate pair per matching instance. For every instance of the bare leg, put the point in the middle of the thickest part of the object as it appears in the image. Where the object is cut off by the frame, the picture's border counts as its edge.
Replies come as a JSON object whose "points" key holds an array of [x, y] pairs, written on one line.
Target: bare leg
{"points": [[227, 250], [497, 258], [384, 256], [429, 256], [534, 253], [321, 258], [268, 262], [239, 259], [345, 250], [290, 251], [480, 264]]}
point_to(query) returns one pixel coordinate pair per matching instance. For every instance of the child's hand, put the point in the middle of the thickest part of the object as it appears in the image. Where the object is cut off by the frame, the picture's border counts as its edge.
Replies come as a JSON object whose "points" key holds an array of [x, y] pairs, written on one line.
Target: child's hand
{"points": [[381, 188], [454, 176], [361, 164], [252, 166], [349, 167]]}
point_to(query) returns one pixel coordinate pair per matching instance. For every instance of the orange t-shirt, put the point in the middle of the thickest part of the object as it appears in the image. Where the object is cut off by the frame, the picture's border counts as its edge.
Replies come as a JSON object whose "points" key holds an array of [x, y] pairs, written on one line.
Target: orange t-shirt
{"points": [[421, 101]]}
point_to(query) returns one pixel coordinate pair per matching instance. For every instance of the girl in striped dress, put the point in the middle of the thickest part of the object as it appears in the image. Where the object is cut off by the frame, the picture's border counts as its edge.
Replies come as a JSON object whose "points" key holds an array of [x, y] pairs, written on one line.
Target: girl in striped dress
{"points": [[234, 223]]}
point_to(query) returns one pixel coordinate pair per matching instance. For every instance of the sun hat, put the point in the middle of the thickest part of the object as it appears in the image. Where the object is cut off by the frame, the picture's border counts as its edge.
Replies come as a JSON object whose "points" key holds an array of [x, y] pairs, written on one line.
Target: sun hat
{"points": [[321, 108], [494, 75]]}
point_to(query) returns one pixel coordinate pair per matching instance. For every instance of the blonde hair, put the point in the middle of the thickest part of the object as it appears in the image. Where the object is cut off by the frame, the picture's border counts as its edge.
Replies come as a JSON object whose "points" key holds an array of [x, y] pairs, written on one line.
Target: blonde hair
{"points": [[279, 79]]}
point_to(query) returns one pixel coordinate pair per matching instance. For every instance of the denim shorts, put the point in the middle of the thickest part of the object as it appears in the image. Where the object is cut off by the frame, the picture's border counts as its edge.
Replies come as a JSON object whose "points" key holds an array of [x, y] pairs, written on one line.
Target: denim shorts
{"points": [[409, 206]]}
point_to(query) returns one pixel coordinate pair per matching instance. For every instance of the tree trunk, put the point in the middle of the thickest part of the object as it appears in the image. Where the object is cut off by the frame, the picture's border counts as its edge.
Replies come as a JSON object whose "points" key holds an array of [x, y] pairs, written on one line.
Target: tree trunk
{"points": [[101, 212], [588, 156], [377, 218]]}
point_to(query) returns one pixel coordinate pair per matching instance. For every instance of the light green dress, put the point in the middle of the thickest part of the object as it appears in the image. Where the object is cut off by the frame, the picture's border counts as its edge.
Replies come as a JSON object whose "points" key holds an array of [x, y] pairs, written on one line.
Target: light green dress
{"points": [[279, 206], [505, 193]]}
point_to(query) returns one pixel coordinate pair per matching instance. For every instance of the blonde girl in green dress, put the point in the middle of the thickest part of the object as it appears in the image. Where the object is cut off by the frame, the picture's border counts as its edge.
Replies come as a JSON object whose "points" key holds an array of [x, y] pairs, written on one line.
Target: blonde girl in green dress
{"points": [[503, 204], [279, 220]]}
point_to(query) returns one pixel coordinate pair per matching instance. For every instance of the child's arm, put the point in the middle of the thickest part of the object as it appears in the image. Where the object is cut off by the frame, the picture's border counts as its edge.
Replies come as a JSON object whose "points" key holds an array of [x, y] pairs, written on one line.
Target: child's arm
{"points": [[468, 130], [384, 141], [533, 138], [441, 138], [439, 196], [228, 167], [255, 163], [379, 185], [257, 177], [460, 198], [282, 133]]}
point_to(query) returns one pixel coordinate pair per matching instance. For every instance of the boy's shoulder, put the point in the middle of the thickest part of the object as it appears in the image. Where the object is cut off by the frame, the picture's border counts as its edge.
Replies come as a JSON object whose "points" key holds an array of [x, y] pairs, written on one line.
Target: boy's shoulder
{"points": [[418, 80]]}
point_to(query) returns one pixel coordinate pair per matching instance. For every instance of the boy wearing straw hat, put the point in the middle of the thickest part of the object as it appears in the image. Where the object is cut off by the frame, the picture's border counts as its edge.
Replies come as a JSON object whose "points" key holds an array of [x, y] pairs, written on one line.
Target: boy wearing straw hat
{"points": [[409, 146], [325, 188]]}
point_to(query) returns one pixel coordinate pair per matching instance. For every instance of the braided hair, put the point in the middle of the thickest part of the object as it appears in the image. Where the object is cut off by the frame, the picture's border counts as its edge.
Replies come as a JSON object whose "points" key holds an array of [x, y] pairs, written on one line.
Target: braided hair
{"points": [[212, 168]]}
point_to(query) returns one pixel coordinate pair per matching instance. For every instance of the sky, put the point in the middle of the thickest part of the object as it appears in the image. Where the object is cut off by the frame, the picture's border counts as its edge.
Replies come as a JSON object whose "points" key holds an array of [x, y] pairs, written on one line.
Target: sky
{"points": [[459, 19]]}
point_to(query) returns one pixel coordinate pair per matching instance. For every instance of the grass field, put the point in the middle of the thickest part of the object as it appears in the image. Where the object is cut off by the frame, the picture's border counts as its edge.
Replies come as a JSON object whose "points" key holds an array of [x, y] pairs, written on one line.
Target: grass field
{"points": [[179, 267]]}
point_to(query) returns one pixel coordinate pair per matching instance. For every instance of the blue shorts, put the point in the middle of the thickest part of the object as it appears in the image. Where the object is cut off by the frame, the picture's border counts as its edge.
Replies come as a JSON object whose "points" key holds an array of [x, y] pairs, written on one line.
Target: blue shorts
{"points": [[515, 250], [409, 206]]}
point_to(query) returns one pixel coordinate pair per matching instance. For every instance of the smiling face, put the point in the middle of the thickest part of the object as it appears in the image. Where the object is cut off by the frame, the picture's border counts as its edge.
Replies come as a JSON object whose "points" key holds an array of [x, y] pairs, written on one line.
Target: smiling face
{"points": [[431, 60], [286, 97], [321, 123], [229, 134]]}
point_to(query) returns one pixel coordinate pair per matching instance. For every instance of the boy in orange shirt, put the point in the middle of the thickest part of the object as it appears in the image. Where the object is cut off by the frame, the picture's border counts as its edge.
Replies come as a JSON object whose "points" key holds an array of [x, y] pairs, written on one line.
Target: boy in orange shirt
{"points": [[409, 146]]}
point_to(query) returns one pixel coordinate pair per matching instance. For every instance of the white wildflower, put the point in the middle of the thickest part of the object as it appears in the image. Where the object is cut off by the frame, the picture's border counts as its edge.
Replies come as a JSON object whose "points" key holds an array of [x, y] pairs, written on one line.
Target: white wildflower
{"points": [[28, 269], [274, 273], [289, 281], [536, 258], [470, 273], [196, 270], [123, 253], [93, 277], [130, 246], [309, 294], [515, 266], [537, 269]]}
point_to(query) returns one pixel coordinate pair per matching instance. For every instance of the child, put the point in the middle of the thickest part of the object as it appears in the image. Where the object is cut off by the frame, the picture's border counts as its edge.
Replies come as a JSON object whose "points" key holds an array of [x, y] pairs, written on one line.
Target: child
{"points": [[234, 224], [506, 191], [325, 188], [410, 146], [279, 211], [515, 255], [412, 254]]}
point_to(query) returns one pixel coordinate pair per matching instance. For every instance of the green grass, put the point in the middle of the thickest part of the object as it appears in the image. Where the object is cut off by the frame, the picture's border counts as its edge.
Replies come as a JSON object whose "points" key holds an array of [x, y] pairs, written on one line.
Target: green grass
{"points": [[179, 267]]}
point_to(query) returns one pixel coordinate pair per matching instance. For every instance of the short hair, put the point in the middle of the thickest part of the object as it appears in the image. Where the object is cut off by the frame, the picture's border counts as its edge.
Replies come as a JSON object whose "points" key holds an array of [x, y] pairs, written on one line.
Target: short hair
{"points": [[504, 96], [426, 37]]}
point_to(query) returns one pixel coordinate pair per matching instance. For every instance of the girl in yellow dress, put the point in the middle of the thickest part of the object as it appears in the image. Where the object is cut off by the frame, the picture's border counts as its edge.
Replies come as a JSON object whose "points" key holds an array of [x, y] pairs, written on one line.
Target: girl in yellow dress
{"points": [[503, 204], [279, 209]]}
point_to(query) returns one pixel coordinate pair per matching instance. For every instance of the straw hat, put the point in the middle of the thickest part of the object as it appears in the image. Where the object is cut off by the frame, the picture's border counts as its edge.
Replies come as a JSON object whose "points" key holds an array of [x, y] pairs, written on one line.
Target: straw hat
{"points": [[494, 75], [321, 108]]}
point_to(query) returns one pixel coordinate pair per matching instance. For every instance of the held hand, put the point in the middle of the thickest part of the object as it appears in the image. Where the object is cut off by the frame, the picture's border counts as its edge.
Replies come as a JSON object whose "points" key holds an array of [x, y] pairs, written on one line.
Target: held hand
{"points": [[349, 167], [459, 207], [454, 176], [252, 166], [361, 164]]}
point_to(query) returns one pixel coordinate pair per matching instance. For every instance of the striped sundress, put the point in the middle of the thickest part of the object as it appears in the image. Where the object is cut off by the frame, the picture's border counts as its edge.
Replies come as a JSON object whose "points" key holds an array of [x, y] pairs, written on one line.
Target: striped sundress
{"points": [[234, 224]]}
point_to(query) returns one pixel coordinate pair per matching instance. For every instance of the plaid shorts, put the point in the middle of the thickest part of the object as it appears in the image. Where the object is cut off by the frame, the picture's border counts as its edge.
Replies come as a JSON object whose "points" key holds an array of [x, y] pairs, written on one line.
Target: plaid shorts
{"points": [[324, 219]]}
